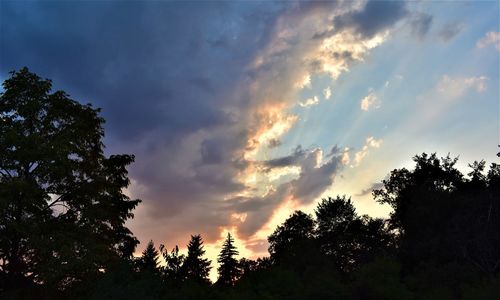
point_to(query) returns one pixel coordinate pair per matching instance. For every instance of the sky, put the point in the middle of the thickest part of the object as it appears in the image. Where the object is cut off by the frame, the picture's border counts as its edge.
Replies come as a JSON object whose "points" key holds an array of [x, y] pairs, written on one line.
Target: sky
{"points": [[239, 113]]}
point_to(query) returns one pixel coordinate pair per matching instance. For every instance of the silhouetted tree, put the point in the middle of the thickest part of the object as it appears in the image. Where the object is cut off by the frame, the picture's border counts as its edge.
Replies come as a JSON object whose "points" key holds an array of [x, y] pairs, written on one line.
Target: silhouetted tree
{"points": [[62, 206], [444, 218], [247, 266], [173, 267], [296, 231], [196, 268], [148, 262], [346, 237], [228, 270]]}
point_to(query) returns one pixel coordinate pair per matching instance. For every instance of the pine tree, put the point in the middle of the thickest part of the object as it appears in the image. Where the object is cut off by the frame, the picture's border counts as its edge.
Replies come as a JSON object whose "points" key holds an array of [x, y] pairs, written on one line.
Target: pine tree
{"points": [[195, 267], [149, 259], [228, 270]]}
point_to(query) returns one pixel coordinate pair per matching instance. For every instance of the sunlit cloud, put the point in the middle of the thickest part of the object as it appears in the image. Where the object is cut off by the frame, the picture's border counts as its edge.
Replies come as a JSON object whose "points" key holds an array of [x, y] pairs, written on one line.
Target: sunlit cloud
{"points": [[327, 93], [453, 88], [491, 38], [369, 101], [360, 155], [309, 102]]}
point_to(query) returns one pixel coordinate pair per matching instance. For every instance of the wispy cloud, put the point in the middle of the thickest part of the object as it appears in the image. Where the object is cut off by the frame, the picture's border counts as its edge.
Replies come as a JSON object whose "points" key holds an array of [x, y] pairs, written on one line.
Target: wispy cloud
{"points": [[420, 24], [491, 38], [453, 88], [370, 142], [309, 102], [327, 93], [450, 30], [369, 101]]}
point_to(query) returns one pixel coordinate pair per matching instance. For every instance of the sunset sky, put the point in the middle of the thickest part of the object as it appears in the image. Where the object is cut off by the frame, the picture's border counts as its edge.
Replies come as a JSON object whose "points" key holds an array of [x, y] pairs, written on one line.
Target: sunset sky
{"points": [[239, 113]]}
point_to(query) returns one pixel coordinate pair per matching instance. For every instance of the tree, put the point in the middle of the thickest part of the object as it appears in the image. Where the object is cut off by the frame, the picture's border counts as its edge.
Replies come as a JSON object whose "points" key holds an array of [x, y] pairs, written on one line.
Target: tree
{"points": [[228, 265], [295, 233], [62, 207], [347, 238], [195, 267], [444, 218], [173, 267], [149, 259]]}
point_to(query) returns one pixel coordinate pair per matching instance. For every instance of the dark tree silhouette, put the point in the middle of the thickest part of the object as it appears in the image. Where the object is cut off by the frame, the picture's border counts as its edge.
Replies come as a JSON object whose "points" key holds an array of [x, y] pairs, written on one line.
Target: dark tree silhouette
{"points": [[148, 262], [444, 218], [228, 270], [346, 237], [196, 268], [62, 209], [173, 267], [294, 232]]}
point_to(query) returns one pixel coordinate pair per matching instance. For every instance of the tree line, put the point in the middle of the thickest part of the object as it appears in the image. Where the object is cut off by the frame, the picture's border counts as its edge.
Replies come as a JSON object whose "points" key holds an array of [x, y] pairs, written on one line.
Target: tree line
{"points": [[63, 233]]}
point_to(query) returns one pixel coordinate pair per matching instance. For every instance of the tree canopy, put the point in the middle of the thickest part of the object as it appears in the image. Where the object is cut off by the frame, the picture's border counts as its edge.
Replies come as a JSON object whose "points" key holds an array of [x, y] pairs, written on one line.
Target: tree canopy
{"points": [[62, 207]]}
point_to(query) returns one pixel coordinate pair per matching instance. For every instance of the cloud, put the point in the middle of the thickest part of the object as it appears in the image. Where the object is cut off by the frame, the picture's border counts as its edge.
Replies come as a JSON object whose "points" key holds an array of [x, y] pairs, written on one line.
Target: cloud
{"points": [[369, 101], [370, 142], [453, 88], [315, 175], [449, 30], [491, 38], [368, 191], [309, 102], [376, 16], [327, 93], [420, 24], [199, 101]]}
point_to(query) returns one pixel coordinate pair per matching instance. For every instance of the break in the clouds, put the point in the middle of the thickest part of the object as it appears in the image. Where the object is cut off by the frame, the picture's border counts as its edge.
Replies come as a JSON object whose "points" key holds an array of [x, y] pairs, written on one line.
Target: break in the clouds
{"points": [[214, 98]]}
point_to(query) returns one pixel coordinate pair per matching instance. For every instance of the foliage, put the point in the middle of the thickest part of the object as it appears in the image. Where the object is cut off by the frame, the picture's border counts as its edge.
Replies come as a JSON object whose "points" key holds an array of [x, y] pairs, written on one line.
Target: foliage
{"points": [[444, 217], [228, 270], [173, 271], [148, 262], [195, 267], [62, 209], [296, 232]]}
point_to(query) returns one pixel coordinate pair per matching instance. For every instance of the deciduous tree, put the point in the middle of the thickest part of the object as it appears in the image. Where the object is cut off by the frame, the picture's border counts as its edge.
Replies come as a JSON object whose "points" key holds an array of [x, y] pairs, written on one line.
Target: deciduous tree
{"points": [[62, 206]]}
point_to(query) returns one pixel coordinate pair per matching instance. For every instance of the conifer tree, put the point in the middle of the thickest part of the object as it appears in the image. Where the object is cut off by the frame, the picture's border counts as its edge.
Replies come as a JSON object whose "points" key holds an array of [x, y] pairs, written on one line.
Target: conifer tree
{"points": [[228, 270], [196, 268], [149, 259]]}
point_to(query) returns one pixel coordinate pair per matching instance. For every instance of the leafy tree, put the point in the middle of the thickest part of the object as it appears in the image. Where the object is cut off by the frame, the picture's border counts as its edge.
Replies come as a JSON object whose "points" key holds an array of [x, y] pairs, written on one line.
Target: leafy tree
{"points": [[196, 268], [174, 261], [296, 231], [443, 217], [228, 270], [346, 237], [62, 207], [149, 259]]}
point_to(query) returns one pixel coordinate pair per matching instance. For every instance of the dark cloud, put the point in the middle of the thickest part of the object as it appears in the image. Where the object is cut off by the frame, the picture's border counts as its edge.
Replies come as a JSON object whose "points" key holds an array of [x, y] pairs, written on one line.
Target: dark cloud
{"points": [[368, 191], [373, 18], [450, 30], [420, 24], [289, 160], [169, 78], [314, 178], [273, 143]]}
